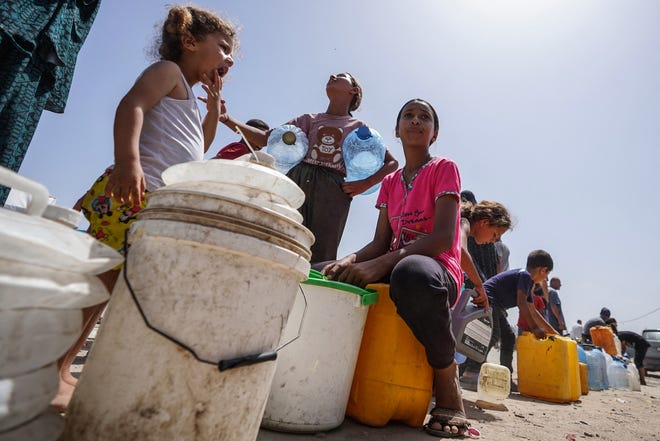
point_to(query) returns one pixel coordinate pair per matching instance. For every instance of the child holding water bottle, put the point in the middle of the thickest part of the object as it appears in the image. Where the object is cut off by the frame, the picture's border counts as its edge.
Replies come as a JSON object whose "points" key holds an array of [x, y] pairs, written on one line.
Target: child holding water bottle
{"points": [[417, 246], [321, 173], [157, 125]]}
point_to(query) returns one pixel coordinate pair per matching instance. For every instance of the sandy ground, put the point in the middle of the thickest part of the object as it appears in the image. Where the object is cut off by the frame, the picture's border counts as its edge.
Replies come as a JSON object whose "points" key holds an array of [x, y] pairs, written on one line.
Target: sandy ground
{"points": [[610, 415]]}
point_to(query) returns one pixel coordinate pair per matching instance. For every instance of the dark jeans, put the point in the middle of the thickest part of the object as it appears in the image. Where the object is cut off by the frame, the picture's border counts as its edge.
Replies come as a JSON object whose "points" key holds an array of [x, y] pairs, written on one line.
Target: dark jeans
{"points": [[503, 333], [423, 291]]}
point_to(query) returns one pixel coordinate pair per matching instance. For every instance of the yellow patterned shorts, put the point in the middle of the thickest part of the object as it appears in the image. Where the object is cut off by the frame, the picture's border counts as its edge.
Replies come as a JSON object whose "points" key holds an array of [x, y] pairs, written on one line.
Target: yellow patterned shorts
{"points": [[108, 219]]}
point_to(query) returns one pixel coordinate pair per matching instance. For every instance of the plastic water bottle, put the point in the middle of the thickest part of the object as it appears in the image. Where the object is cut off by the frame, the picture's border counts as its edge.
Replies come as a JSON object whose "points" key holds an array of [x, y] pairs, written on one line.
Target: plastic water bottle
{"points": [[288, 145], [596, 368], [364, 155]]}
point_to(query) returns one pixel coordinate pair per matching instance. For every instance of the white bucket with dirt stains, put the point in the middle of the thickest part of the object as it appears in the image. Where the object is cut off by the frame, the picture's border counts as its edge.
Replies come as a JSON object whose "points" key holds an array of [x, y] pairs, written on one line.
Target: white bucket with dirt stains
{"points": [[209, 278], [46, 277]]}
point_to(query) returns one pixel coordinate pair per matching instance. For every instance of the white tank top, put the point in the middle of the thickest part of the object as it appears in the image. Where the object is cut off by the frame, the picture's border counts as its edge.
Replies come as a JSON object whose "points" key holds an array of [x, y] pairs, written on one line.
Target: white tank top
{"points": [[171, 134]]}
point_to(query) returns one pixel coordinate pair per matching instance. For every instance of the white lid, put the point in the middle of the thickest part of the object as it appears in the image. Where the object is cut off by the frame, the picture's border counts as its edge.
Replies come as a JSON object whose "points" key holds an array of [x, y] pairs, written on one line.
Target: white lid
{"points": [[32, 239], [38, 241], [237, 173]]}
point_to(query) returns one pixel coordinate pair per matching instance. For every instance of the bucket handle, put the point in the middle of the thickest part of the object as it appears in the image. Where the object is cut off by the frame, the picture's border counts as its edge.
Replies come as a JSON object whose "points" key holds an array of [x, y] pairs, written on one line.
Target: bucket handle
{"points": [[38, 192], [222, 365]]}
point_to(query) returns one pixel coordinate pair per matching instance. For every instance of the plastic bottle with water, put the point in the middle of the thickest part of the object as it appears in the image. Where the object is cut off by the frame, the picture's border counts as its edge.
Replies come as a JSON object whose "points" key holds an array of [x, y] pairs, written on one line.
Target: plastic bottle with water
{"points": [[364, 155], [288, 145], [617, 375]]}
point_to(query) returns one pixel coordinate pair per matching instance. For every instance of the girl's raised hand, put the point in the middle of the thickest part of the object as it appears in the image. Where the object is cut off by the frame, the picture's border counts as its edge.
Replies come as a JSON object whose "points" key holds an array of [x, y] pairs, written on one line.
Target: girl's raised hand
{"points": [[126, 184], [215, 105]]}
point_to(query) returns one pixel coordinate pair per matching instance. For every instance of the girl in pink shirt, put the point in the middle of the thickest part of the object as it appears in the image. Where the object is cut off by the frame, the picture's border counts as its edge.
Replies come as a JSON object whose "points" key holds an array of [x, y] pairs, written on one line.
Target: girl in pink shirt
{"points": [[417, 247]]}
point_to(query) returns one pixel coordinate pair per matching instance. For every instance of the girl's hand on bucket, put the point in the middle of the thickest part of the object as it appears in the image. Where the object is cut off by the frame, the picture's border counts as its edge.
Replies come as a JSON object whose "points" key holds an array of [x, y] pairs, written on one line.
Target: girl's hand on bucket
{"points": [[363, 273], [335, 268]]}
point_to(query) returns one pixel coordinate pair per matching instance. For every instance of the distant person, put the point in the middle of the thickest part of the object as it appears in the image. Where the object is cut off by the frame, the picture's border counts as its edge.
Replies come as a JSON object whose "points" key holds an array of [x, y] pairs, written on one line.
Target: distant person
{"points": [[485, 222], [157, 124], [512, 289], [321, 174], [576, 330], [554, 313], [611, 322], [503, 253], [240, 148], [598, 321], [640, 345]]}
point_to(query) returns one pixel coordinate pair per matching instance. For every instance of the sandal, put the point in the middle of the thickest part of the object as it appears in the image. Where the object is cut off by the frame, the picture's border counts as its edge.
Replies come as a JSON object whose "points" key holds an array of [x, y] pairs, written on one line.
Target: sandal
{"points": [[449, 417]]}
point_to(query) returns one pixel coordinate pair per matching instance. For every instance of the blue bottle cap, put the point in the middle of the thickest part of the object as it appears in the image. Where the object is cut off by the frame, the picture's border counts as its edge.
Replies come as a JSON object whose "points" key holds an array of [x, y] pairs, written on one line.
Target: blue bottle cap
{"points": [[363, 133]]}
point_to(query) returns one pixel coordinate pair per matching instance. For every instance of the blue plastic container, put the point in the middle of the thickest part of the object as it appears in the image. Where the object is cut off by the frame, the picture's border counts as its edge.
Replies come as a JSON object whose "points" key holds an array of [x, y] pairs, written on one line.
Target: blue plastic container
{"points": [[582, 356], [364, 154], [288, 145]]}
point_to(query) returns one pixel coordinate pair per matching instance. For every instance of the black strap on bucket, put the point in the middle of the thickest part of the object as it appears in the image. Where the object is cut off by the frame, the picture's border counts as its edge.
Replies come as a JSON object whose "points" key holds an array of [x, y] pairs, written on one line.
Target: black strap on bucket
{"points": [[223, 365]]}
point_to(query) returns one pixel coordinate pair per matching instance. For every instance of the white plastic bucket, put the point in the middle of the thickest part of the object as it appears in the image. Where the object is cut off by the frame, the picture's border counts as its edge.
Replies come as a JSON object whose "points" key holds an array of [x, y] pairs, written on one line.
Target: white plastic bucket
{"points": [[202, 291], [314, 372]]}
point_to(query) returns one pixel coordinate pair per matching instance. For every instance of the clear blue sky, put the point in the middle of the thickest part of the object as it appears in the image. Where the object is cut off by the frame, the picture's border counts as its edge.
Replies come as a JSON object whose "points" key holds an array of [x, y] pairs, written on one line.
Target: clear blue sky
{"points": [[548, 106]]}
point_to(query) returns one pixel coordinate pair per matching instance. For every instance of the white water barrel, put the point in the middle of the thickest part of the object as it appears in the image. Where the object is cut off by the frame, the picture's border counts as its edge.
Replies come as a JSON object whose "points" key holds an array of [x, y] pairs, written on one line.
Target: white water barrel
{"points": [[212, 268]]}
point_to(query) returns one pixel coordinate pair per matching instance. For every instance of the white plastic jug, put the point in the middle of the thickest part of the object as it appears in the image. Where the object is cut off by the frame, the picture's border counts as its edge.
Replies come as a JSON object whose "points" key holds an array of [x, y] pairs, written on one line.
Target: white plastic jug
{"points": [[494, 386], [472, 327], [617, 375], [633, 377]]}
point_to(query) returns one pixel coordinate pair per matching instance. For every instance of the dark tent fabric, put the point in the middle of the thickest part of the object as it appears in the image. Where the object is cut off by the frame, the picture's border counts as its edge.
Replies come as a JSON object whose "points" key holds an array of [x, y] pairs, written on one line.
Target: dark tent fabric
{"points": [[39, 45]]}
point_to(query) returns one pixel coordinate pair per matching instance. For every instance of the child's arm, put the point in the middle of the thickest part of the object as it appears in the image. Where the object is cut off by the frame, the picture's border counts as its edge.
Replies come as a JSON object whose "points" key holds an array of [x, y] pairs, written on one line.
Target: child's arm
{"points": [[126, 182], [527, 313], [467, 265], [256, 137], [354, 188]]}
